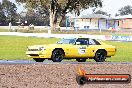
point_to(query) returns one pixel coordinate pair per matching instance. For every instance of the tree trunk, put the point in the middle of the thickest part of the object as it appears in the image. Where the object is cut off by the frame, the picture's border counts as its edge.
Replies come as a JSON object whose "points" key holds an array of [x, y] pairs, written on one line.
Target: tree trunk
{"points": [[59, 21], [55, 23], [51, 20], [61, 18]]}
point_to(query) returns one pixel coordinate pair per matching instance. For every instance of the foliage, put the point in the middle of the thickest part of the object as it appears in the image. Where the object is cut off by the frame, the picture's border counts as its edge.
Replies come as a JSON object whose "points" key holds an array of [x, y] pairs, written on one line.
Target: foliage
{"points": [[126, 10], [9, 9], [101, 12], [62, 5], [8, 12], [35, 17], [58, 8], [2, 15]]}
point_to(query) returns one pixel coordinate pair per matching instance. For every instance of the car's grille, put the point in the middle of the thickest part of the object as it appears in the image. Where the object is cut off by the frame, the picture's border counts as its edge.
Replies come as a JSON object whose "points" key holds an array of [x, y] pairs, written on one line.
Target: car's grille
{"points": [[33, 49], [33, 54]]}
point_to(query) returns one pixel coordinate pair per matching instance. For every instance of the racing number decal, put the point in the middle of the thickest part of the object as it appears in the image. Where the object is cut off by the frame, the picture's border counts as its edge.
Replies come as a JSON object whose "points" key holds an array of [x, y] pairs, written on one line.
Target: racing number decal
{"points": [[82, 50]]}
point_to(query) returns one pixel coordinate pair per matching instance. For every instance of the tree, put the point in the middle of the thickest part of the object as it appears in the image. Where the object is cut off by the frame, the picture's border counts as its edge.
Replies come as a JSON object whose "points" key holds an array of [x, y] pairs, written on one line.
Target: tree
{"points": [[116, 14], [2, 16], [126, 10], [9, 9], [58, 8], [101, 12], [35, 17]]}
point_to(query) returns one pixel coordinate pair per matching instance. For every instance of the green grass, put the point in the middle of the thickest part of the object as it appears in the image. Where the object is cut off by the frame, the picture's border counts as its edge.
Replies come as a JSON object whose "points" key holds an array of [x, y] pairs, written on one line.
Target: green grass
{"points": [[14, 47], [4, 30], [124, 51]]}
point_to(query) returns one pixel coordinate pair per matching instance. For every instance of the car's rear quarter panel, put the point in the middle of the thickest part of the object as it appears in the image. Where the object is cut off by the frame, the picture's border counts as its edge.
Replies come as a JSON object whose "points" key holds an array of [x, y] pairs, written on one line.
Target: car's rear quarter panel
{"points": [[111, 50]]}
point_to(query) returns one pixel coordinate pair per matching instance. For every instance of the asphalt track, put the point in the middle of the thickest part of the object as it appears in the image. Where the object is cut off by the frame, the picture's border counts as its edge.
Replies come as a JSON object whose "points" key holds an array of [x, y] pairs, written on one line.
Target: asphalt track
{"points": [[50, 62]]}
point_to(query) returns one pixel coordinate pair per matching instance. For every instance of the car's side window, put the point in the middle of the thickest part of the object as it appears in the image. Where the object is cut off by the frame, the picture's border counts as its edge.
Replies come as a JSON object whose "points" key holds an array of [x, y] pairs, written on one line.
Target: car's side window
{"points": [[72, 41], [93, 42], [82, 41], [97, 43]]}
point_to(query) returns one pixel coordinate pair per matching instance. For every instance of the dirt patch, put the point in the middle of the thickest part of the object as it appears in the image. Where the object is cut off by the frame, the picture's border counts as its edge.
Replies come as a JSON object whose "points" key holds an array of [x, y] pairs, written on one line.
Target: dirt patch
{"points": [[57, 75]]}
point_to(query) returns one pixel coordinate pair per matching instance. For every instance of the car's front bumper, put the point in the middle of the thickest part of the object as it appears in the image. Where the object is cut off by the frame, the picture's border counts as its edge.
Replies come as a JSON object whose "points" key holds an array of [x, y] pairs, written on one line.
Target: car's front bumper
{"points": [[37, 54]]}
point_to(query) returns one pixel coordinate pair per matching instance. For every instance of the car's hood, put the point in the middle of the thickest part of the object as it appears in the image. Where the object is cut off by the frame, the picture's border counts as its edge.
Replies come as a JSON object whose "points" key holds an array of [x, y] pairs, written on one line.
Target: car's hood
{"points": [[36, 46], [48, 45]]}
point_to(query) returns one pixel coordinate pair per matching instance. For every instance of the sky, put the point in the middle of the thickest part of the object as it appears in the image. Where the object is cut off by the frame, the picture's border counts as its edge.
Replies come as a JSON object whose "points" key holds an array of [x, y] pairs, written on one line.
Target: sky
{"points": [[112, 6], [109, 6]]}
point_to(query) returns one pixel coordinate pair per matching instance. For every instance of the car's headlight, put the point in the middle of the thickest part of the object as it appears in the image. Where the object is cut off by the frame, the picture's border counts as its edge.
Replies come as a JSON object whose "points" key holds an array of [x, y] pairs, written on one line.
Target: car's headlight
{"points": [[36, 49], [41, 48], [27, 49]]}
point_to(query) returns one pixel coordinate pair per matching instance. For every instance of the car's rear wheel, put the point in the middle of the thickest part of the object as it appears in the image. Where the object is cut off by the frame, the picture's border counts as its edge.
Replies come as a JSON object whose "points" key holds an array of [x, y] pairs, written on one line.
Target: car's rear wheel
{"points": [[39, 59], [57, 55], [81, 60], [100, 56]]}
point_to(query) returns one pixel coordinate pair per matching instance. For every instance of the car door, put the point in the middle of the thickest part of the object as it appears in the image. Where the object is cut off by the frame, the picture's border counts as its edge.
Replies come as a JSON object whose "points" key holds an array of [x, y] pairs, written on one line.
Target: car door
{"points": [[86, 48], [80, 50]]}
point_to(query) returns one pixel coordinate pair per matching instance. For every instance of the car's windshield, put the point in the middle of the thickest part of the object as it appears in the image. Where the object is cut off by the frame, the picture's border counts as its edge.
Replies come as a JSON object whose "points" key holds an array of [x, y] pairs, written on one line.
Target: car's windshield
{"points": [[67, 41]]}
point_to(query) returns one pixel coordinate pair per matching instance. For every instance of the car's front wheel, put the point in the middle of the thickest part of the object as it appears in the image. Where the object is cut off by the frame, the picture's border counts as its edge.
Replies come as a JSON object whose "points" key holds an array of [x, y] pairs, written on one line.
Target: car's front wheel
{"points": [[57, 55], [100, 56], [39, 59], [81, 60]]}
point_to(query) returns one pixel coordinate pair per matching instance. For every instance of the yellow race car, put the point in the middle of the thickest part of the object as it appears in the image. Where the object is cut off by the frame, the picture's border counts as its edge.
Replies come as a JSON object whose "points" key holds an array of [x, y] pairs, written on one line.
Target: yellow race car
{"points": [[72, 48]]}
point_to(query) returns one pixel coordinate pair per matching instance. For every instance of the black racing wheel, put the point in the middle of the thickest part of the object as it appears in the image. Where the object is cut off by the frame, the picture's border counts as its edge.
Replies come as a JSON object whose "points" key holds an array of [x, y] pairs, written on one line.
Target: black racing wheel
{"points": [[57, 55], [100, 56]]}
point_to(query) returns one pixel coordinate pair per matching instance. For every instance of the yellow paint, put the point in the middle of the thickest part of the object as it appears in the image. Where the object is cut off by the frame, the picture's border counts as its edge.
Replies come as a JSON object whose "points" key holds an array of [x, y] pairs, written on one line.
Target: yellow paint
{"points": [[71, 51]]}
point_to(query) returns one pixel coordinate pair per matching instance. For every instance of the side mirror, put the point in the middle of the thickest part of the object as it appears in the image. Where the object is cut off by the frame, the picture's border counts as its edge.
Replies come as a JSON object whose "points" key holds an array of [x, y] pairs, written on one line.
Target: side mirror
{"points": [[77, 43]]}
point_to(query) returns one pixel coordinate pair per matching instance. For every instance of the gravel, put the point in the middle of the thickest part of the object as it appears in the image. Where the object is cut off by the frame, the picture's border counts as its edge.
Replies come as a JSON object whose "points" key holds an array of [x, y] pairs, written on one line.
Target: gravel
{"points": [[40, 75]]}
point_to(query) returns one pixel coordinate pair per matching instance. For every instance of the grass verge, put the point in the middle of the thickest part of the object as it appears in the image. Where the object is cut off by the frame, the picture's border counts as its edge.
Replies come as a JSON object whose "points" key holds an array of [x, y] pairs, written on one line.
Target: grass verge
{"points": [[14, 48], [124, 51]]}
